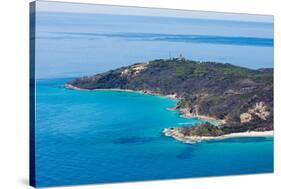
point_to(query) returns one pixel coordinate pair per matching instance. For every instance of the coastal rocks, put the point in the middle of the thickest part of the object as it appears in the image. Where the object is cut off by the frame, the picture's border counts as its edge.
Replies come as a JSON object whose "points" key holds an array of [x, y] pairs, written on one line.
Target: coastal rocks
{"points": [[69, 86], [175, 133], [195, 133]]}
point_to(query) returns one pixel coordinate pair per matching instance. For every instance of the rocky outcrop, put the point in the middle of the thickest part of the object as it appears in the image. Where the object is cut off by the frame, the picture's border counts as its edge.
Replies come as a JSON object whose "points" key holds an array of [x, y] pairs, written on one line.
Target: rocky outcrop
{"points": [[260, 110], [134, 70], [245, 117]]}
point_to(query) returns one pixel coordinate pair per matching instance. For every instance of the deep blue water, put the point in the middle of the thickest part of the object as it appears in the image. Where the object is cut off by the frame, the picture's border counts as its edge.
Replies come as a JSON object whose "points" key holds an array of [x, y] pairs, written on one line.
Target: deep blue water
{"points": [[108, 136], [226, 40], [72, 45]]}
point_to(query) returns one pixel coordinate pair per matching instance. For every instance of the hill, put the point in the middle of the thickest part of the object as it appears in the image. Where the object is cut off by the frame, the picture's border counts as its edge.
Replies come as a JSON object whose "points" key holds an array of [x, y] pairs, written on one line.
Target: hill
{"points": [[238, 99]]}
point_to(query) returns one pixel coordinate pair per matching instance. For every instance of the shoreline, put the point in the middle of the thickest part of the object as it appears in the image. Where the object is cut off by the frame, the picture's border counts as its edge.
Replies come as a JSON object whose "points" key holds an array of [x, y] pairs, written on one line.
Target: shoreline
{"points": [[194, 139], [69, 86], [182, 112], [170, 96], [209, 119], [173, 132]]}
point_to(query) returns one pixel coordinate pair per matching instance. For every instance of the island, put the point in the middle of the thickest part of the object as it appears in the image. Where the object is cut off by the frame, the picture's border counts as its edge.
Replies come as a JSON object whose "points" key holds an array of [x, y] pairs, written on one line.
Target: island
{"points": [[233, 100]]}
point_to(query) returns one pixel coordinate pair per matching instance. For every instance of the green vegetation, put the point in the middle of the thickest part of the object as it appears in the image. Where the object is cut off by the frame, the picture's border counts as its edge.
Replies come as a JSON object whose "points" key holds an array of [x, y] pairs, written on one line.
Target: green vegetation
{"points": [[221, 91]]}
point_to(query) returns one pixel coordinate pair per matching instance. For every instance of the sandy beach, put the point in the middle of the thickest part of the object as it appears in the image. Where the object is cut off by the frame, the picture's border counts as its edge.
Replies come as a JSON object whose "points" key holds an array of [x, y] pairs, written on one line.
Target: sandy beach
{"points": [[193, 139], [170, 96]]}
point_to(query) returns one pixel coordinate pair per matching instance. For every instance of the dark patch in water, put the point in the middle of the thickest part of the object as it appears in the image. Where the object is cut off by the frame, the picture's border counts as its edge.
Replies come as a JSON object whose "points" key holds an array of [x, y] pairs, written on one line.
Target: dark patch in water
{"points": [[187, 153], [132, 140], [228, 40]]}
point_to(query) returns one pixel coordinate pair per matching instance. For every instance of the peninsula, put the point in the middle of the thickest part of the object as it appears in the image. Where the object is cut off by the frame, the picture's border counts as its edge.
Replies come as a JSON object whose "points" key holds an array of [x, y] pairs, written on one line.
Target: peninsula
{"points": [[233, 99]]}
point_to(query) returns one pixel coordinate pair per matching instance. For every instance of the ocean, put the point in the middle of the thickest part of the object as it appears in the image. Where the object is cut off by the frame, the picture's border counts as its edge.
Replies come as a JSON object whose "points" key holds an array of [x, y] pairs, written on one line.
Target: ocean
{"points": [[88, 137], [73, 45], [85, 137]]}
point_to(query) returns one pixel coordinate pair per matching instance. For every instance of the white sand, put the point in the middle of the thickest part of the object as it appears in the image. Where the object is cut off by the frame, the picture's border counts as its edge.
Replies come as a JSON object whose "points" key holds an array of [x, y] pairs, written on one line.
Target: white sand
{"points": [[193, 139], [250, 134]]}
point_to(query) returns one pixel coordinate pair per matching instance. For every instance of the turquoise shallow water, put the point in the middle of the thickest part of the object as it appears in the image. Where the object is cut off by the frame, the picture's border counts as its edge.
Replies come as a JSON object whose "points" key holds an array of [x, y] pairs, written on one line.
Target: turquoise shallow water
{"points": [[107, 136]]}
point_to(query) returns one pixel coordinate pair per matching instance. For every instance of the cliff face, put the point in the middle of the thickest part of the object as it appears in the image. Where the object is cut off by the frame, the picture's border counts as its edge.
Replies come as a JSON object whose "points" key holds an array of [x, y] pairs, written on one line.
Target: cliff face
{"points": [[240, 98]]}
